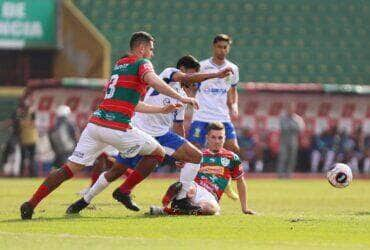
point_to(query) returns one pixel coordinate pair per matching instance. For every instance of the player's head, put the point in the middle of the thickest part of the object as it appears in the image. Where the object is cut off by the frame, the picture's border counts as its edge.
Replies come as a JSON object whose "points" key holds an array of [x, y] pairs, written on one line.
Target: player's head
{"points": [[221, 46], [142, 43], [188, 64], [215, 136]]}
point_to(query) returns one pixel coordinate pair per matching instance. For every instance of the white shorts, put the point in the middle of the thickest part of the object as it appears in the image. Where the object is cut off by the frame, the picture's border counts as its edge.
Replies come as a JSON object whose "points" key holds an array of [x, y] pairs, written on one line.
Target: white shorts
{"points": [[94, 139], [203, 195]]}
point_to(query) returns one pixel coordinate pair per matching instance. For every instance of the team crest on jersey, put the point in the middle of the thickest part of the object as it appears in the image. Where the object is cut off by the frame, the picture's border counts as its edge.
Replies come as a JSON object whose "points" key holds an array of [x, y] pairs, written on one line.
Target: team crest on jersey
{"points": [[166, 101], [225, 161]]}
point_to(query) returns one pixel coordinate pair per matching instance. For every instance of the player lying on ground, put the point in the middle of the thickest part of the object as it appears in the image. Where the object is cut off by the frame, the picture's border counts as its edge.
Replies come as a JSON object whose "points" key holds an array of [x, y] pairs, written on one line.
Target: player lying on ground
{"points": [[158, 126], [111, 123], [217, 167]]}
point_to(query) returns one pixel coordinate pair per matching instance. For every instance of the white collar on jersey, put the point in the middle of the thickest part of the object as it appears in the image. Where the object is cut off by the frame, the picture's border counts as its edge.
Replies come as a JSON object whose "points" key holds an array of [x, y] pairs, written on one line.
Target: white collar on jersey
{"points": [[217, 66]]}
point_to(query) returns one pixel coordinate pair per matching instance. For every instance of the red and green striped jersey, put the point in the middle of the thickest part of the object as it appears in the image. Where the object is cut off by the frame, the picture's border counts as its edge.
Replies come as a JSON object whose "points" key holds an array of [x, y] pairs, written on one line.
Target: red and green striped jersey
{"points": [[216, 170], [122, 93]]}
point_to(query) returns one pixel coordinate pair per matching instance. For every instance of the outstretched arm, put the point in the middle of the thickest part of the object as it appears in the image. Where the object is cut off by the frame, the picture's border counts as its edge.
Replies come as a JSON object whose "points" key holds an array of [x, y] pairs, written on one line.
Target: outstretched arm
{"points": [[158, 84], [188, 78], [143, 107], [242, 190]]}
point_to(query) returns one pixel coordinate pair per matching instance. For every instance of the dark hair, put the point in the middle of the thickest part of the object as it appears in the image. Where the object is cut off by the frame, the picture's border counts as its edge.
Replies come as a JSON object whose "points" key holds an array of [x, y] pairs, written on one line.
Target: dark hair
{"points": [[222, 37], [215, 126], [140, 37], [188, 62]]}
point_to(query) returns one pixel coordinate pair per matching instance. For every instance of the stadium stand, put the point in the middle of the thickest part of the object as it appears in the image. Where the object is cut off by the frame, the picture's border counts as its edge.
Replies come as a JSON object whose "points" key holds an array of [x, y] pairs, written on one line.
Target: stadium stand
{"points": [[275, 41]]}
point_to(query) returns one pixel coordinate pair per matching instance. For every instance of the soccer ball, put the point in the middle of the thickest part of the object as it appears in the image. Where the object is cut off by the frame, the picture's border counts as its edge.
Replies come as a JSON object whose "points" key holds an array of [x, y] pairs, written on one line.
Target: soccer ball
{"points": [[340, 175]]}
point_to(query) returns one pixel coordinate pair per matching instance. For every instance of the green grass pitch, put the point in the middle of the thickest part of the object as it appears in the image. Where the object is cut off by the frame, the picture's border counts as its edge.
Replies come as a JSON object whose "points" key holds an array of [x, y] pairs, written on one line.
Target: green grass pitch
{"points": [[293, 214]]}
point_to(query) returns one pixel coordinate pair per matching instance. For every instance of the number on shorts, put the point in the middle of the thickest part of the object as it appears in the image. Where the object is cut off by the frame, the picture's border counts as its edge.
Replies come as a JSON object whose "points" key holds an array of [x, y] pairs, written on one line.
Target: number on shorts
{"points": [[111, 87]]}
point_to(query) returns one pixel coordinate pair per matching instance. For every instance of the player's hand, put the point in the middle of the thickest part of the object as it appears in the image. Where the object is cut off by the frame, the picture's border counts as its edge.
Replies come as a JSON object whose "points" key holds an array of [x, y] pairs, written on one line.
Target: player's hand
{"points": [[171, 108], [191, 101], [249, 211], [225, 72]]}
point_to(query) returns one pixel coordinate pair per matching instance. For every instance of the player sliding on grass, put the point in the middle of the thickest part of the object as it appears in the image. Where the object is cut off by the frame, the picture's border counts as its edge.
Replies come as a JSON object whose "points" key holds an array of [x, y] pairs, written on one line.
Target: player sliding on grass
{"points": [[110, 124], [217, 167], [158, 126]]}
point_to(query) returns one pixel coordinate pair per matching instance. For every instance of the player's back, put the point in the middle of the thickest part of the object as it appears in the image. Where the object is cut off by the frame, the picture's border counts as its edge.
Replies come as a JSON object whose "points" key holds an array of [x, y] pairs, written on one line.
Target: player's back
{"points": [[122, 93], [212, 93], [159, 124]]}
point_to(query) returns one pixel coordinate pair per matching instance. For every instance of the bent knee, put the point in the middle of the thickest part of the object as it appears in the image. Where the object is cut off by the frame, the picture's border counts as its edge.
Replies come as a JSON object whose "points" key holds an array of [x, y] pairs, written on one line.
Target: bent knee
{"points": [[209, 208]]}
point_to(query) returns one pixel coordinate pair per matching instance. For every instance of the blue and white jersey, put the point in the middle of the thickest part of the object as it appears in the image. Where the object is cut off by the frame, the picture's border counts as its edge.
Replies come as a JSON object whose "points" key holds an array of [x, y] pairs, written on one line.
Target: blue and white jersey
{"points": [[159, 124], [212, 93]]}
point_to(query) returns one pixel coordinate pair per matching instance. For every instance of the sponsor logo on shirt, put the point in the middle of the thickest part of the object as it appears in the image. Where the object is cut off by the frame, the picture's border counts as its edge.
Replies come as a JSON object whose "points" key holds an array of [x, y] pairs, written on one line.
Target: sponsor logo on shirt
{"points": [[212, 170], [78, 154], [214, 91]]}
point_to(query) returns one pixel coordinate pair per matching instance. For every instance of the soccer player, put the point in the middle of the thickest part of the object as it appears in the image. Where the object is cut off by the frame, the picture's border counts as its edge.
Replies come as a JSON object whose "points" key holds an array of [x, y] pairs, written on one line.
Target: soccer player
{"points": [[218, 99], [158, 126], [217, 167], [110, 124]]}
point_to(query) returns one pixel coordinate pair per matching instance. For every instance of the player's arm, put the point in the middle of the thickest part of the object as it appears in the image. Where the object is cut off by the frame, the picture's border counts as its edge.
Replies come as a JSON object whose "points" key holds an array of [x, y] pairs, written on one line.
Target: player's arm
{"points": [[143, 107], [242, 190], [232, 102], [162, 87], [188, 78]]}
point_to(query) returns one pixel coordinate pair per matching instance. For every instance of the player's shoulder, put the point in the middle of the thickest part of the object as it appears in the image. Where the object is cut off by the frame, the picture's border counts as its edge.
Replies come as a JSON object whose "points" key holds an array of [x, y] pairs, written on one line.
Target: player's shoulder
{"points": [[229, 154], [231, 64], [168, 73], [206, 63], [170, 70], [143, 61]]}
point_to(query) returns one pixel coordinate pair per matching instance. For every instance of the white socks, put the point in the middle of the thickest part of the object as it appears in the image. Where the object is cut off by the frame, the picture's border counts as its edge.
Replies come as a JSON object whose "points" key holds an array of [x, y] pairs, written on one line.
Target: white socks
{"points": [[97, 188], [187, 175]]}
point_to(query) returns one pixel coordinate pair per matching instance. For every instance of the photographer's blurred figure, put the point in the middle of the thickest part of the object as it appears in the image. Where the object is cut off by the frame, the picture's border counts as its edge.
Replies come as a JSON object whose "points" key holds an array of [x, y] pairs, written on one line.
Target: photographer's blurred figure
{"points": [[290, 126], [62, 136]]}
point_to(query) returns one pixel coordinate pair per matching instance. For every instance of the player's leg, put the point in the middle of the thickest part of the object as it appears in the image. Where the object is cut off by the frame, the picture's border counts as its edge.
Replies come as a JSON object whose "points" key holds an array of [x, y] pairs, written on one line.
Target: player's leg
{"points": [[197, 133], [199, 197], [152, 153], [85, 153], [119, 167], [181, 150]]}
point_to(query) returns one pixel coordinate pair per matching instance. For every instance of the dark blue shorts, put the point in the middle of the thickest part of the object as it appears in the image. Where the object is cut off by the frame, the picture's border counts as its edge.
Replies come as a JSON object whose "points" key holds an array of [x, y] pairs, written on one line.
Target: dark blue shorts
{"points": [[198, 131], [169, 141]]}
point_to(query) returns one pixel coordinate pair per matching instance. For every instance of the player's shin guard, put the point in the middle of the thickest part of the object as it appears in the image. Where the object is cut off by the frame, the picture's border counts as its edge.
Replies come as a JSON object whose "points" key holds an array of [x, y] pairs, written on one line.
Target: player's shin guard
{"points": [[187, 175], [97, 188], [50, 184]]}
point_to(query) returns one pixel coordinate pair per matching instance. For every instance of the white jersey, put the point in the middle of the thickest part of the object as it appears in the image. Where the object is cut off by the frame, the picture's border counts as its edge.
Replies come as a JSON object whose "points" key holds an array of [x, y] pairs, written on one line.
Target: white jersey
{"points": [[159, 124], [212, 93]]}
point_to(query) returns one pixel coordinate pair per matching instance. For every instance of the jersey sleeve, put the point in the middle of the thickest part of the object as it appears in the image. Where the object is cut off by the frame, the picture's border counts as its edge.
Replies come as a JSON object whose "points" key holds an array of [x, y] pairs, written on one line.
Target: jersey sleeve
{"points": [[167, 74], [237, 170], [235, 79], [145, 66]]}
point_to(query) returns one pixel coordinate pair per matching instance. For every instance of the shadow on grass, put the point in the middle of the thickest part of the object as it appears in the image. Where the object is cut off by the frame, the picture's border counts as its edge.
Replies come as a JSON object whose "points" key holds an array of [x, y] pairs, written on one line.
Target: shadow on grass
{"points": [[83, 218], [363, 213]]}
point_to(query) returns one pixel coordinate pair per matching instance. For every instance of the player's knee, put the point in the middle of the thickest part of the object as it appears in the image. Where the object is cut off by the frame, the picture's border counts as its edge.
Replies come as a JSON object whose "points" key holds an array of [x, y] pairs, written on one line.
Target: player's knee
{"points": [[159, 153], [208, 208], [74, 167]]}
